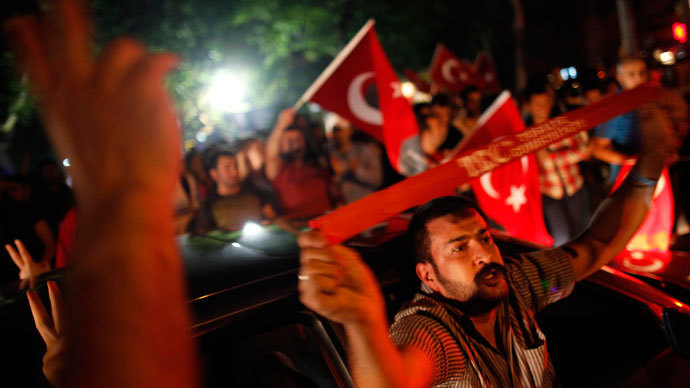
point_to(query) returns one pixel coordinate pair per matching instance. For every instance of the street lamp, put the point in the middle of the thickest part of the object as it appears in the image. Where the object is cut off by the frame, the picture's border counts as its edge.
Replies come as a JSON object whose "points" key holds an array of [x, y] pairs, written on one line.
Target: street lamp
{"points": [[226, 92]]}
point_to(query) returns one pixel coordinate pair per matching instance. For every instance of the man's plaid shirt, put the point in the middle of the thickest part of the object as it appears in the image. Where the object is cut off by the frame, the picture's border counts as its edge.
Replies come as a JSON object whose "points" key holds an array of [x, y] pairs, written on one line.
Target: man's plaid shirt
{"points": [[559, 173]]}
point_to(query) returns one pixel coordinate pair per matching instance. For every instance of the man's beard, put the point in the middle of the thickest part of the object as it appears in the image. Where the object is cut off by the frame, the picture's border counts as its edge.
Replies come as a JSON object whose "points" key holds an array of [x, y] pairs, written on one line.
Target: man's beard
{"points": [[292, 156], [474, 299]]}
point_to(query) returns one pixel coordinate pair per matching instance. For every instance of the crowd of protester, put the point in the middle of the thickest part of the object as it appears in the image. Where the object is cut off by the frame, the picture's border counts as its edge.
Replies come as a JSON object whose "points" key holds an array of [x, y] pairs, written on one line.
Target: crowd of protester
{"points": [[126, 294], [304, 167]]}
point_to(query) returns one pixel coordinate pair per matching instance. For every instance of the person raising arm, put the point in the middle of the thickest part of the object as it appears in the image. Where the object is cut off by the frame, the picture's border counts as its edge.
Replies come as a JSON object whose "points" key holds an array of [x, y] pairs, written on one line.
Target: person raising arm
{"points": [[465, 284], [274, 163]]}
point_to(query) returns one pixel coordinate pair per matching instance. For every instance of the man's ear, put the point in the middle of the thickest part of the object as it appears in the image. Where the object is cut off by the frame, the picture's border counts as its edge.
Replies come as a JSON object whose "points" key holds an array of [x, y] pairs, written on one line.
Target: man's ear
{"points": [[426, 274], [213, 174]]}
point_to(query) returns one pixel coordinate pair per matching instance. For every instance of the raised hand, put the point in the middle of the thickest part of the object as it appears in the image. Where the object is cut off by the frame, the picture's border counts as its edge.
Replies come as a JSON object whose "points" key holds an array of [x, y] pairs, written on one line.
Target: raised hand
{"points": [[29, 270], [286, 118], [51, 331], [432, 139], [111, 115], [113, 118], [336, 283]]}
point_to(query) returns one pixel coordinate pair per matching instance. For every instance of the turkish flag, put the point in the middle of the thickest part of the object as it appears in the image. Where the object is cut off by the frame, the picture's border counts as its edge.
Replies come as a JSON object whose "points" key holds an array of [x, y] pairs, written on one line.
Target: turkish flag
{"points": [[509, 194], [654, 234], [486, 73], [358, 79], [447, 71]]}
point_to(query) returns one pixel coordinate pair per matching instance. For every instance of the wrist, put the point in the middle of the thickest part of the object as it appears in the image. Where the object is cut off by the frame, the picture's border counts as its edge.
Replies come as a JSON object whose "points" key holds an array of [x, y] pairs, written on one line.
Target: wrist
{"points": [[370, 327], [372, 319], [130, 206]]}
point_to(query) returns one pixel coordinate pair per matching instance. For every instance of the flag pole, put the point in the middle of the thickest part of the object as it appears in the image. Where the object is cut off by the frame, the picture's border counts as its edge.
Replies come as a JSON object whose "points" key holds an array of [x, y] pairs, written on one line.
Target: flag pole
{"points": [[334, 64], [434, 57]]}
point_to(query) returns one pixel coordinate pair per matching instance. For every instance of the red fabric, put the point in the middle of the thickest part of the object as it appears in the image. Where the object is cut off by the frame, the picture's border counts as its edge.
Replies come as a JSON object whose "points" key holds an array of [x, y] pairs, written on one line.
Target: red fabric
{"points": [[67, 234], [450, 72], [486, 73], [510, 194], [420, 84], [655, 232], [345, 92], [303, 191], [347, 221]]}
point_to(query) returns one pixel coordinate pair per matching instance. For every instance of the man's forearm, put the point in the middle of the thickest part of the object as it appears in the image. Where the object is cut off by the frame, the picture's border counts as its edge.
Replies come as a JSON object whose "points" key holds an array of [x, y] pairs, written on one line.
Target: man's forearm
{"points": [[273, 162], [127, 297], [619, 216], [375, 361]]}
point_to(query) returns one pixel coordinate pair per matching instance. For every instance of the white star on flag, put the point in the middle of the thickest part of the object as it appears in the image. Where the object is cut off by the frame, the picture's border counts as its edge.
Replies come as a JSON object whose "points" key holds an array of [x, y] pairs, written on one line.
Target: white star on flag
{"points": [[517, 197], [397, 89]]}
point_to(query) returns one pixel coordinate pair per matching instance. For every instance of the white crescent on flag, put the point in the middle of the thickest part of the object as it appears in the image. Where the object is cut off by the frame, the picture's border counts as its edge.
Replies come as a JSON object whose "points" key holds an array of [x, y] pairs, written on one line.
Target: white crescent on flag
{"points": [[488, 187], [358, 105], [446, 70]]}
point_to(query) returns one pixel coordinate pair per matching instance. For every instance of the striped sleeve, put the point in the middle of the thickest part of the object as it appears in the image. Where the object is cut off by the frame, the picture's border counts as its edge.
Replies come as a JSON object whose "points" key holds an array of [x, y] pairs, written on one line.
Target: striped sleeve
{"points": [[430, 336], [542, 277]]}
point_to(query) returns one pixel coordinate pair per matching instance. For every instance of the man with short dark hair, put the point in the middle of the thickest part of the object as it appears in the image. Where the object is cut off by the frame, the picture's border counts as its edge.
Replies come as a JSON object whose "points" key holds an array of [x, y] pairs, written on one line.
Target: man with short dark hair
{"points": [[472, 322], [234, 202]]}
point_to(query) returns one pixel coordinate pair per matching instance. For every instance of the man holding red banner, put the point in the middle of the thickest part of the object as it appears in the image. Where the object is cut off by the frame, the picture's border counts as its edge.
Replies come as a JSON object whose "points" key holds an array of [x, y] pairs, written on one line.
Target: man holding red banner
{"points": [[471, 324]]}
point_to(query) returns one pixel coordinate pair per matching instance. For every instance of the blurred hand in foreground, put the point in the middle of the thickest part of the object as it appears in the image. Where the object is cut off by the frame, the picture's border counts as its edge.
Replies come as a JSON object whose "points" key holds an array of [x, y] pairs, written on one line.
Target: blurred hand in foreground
{"points": [[113, 118]]}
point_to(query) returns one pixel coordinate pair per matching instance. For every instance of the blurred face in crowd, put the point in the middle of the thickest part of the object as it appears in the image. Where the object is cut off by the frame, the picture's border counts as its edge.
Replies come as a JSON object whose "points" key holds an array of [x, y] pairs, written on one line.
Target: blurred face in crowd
{"points": [[593, 95], [196, 167], [435, 124], [443, 112], [17, 191], [342, 132], [256, 155], [473, 103], [631, 73], [50, 173], [293, 146], [226, 174], [540, 106], [467, 266]]}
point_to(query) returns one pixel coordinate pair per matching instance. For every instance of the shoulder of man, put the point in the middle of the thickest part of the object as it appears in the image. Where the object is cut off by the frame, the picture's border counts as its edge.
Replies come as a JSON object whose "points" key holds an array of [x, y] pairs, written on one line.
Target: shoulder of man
{"points": [[421, 324], [541, 277]]}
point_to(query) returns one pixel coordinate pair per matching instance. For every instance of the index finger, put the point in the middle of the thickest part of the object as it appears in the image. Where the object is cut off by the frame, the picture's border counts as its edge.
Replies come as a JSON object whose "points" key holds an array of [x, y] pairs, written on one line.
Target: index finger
{"points": [[41, 319]]}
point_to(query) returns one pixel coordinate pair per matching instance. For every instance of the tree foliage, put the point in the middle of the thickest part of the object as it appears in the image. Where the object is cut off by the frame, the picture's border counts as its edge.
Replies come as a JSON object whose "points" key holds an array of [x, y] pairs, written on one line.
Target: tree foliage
{"points": [[279, 47]]}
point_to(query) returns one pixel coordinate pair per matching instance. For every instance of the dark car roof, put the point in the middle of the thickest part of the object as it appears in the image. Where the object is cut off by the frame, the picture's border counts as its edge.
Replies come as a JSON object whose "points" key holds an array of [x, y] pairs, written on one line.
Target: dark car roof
{"points": [[232, 273]]}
